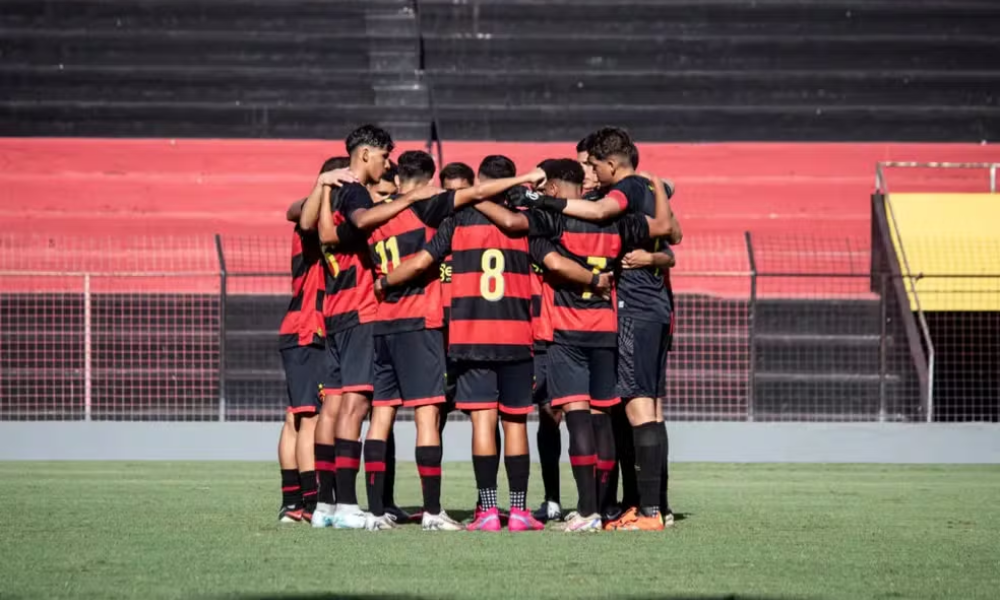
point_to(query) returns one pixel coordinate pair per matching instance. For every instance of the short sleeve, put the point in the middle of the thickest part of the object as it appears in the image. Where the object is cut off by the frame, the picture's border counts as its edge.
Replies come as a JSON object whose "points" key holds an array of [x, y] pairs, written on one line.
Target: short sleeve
{"points": [[634, 231], [545, 224], [539, 248], [440, 245], [354, 196], [629, 193], [436, 209]]}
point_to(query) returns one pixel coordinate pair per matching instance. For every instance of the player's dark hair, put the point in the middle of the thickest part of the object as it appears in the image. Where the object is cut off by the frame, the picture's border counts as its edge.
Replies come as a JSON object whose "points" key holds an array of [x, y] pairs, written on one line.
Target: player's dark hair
{"points": [[335, 162], [390, 173], [496, 166], [416, 165], [457, 170], [369, 135], [633, 156], [562, 169], [613, 141], [585, 144]]}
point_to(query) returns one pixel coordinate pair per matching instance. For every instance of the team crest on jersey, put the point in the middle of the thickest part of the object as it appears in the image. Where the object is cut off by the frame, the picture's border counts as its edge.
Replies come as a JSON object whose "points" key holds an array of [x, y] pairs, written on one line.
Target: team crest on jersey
{"points": [[445, 273]]}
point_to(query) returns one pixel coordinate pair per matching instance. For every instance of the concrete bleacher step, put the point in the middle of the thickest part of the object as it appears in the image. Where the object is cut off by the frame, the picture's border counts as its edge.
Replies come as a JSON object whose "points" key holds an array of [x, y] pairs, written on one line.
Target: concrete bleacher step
{"points": [[650, 17], [822, 354], [519, 88], [840, 395], [822, 316], [725, 123], [714, 52]]}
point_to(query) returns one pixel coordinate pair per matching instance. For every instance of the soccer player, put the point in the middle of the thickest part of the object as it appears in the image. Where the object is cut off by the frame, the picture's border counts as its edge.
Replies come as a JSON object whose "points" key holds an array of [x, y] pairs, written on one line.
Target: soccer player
{"points": [[583, 157], [349, 309], [302, 344], [582, 375], [456, 176], [387, 186], [408, 323], [490, 340]]}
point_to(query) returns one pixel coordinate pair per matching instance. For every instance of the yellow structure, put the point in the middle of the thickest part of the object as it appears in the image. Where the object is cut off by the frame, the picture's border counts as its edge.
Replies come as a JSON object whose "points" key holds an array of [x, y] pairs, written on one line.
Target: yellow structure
{"points": [[947, 240]]}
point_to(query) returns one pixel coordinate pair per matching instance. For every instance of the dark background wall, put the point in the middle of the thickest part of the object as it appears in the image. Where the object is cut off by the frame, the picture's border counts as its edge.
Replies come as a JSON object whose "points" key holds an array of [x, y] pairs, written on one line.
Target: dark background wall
{"points": [[512, 70]]}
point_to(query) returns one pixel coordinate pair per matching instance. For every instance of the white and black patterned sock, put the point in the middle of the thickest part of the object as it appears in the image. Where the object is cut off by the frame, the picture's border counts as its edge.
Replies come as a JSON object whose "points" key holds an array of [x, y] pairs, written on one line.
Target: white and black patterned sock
{"points": [[488, 498]]}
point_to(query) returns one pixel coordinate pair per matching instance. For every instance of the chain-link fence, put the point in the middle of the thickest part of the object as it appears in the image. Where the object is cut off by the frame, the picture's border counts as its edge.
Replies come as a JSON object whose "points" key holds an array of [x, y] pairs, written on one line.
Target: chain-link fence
{"points": [[767, 329]]}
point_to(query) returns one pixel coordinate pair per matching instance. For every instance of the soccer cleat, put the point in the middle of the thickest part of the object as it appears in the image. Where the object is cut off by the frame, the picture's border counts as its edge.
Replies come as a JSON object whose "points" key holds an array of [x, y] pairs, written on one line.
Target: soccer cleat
{"points": [[290, 514], [322, 516], [571, 515], [379, 523], [486, 520], [643, 523], [668, 519], [613, 513], [398, 514], [627, 517], [522, 520], [549, 511], [439, 522], [584, 524], [349, 517]]}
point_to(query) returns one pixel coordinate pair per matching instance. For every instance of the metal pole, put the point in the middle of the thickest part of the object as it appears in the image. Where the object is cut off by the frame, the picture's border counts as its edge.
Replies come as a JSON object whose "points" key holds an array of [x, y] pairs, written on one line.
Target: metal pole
{"points": [[751, 327], [87, 345], [993, 178], [930, 385], [882, 349], [223, 299]]}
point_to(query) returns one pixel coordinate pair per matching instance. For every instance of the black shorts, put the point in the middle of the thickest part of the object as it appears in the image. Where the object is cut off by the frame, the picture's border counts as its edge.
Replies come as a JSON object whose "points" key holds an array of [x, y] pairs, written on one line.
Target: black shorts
{"points": [[580, 374], [409, 368], [541, 388], [353, 352], [642, 358], [309, 373], [499, 385]]}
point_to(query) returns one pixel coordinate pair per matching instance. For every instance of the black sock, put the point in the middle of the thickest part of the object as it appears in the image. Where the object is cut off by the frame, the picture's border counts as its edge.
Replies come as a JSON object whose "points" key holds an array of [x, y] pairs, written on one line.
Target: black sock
{"points": [[348, 462], [429, 468], [375, 475], [307, 481], [486, 468], [549, 452], [389, 496], [498, 440], [649, 464], [291, 492], [583, 458], [326, 471], [625, 452], [665, 472], [604, 438], [518, 469]]}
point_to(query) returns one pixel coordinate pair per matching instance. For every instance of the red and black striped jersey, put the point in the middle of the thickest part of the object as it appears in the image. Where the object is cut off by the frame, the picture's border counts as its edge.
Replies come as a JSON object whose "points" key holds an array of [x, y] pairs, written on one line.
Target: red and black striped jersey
{"points": [[490, 289], [416, 304], [642, 293], [303, 321], [350, 284], [578, 316], [541, 324], [445, 278]]}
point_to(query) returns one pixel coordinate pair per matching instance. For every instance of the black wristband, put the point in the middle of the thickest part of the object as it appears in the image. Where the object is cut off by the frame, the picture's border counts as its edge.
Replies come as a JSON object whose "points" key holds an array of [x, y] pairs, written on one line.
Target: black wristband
{"points": [[551, 203], [384, 281], [595, 281]]}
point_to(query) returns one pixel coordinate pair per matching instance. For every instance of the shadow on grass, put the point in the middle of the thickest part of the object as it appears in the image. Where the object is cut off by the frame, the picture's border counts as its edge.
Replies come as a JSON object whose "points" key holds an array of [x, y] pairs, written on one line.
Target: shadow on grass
{"points": [[373, 596]]}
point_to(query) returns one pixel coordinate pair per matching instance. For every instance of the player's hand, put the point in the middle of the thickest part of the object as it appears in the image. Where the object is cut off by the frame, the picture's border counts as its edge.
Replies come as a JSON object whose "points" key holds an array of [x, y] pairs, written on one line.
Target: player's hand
{"points": [[637, 259], [604, 284], [337, 177], [536, 177], [521, 197], [380, 289]]}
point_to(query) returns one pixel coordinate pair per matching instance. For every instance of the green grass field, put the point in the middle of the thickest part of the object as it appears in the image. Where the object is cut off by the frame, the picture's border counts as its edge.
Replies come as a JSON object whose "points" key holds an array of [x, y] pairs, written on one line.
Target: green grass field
{"points": [[207, 530]]}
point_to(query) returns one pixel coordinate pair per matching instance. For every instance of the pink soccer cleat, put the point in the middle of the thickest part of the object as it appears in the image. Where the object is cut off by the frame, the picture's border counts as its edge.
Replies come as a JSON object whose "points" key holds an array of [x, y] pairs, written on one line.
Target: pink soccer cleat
{"points": [[523, 520], [486, 520]]}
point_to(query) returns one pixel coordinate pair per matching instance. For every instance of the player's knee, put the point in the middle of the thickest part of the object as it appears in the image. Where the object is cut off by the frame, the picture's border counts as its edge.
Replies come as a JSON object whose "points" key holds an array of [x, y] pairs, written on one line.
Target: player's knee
{"points": [[640, 411]]}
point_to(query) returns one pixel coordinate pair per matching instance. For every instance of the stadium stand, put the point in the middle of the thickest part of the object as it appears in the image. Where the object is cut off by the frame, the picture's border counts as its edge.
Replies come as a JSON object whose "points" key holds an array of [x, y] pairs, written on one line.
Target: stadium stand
{"points": [[484, 69]]}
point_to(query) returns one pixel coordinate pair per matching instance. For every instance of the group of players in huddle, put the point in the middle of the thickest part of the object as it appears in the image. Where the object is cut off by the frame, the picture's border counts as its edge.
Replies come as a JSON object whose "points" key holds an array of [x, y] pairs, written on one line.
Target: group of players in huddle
{"points": [[490, 297]]}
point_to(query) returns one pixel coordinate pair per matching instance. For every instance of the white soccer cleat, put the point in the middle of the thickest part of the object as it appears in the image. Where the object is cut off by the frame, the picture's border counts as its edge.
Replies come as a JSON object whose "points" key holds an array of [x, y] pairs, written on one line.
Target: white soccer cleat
{"points": [[349, 517], [548, 511], [379, 523], [323, 515], [440, 522], [587, 524]]}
